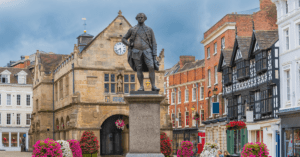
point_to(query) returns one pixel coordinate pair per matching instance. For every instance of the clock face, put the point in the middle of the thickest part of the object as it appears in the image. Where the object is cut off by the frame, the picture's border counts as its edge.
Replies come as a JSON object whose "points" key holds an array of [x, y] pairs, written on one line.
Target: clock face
{"points": [[120, 48]]}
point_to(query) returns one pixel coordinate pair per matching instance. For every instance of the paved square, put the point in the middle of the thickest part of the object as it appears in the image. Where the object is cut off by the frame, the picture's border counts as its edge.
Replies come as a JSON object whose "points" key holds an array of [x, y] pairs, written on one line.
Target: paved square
{"points": [[15, 154]]}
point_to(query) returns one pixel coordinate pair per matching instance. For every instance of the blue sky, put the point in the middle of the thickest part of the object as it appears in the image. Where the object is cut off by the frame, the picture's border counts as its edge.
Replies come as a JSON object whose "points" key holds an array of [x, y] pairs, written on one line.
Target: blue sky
{"points": [[53, 25]]}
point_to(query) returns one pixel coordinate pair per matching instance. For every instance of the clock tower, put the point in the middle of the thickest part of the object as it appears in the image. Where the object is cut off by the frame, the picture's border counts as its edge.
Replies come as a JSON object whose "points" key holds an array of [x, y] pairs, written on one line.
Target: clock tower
{"points": [[83, 40]]}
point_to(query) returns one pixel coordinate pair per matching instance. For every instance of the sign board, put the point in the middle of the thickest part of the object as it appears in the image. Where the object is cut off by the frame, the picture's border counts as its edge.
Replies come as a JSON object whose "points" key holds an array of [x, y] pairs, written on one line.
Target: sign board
{"points": [[118, 99], [24, 135], [249, 116], [215, 107]]}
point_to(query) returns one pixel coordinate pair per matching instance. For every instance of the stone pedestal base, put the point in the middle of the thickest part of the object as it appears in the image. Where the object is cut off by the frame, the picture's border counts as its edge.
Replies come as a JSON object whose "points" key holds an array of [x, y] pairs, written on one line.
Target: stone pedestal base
{"points": [[144, 125]]}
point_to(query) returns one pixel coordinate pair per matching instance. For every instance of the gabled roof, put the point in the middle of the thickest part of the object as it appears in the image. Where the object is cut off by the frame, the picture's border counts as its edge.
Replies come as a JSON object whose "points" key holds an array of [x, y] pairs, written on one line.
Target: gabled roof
{"points": [[191, 65], [120, 15], [50, 61], [264, 38], [225, 57], [14, 72], [243, 44]]}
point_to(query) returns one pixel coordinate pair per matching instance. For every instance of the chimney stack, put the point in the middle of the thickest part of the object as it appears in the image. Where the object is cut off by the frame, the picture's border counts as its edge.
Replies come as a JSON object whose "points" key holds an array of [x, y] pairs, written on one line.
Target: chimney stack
{"points": [[186, 59]]}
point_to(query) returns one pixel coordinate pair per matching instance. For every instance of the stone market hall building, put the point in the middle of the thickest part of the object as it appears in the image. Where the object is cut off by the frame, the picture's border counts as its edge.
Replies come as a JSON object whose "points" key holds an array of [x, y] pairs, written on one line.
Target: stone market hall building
{"points": [[85, 90]]}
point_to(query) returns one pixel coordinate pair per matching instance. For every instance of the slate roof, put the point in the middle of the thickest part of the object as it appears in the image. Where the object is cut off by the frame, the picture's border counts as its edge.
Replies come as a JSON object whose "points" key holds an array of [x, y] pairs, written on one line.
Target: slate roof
{"points": [[244, 45], [227, 55], [266, 39], [50, 61], [13, 76], [191, 65]]}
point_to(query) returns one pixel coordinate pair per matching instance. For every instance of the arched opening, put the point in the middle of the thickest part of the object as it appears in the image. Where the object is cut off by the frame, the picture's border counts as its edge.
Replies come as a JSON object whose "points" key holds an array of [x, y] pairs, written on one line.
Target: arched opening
{"points": [[63, 131], [114, 141], [68, 122], [57, 129]]}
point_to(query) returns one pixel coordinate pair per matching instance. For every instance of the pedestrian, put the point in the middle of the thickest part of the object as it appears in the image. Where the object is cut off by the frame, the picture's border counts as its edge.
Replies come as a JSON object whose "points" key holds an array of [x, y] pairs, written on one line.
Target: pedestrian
{"points": [[226, 153], [220, 153]]}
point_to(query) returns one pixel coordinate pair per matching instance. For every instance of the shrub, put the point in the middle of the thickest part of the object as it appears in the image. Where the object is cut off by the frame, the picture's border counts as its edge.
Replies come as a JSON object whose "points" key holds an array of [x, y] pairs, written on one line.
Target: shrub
{"points": [[65, 147], [46, 148], [255, 150], [89, 143], [185, 149], [165, 144], [75, 147]]}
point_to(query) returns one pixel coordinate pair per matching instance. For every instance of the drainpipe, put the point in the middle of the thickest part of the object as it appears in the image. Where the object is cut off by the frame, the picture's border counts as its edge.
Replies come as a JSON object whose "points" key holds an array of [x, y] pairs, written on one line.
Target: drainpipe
{"points": [[175, 109], [53, 106], [197, 110], [73, 78]]}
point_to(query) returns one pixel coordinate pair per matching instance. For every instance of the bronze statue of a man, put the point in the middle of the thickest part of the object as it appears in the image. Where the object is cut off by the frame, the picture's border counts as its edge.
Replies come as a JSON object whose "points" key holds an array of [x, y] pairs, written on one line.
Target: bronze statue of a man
{"points": [[142, 51]]}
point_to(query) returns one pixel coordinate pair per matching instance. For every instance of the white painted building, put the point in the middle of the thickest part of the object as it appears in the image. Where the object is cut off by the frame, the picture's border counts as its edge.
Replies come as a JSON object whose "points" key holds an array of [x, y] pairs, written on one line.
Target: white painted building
{"points": [[288, 20], [15, 107]]}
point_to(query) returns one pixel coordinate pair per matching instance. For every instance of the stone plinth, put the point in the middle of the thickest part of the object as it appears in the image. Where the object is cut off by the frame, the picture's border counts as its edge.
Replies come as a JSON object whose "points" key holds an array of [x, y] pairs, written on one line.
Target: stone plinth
{"points": [[144, 124]]}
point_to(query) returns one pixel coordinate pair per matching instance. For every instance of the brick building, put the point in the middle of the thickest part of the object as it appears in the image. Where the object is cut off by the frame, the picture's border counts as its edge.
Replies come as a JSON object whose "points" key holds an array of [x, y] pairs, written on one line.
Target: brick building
{"points": [[220, 37], [184, 86]]}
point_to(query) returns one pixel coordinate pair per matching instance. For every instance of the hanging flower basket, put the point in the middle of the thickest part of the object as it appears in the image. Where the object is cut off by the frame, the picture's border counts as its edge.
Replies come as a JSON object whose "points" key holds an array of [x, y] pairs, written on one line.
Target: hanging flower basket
{"points": [[236, 125], [196, 116], [120, 124]]}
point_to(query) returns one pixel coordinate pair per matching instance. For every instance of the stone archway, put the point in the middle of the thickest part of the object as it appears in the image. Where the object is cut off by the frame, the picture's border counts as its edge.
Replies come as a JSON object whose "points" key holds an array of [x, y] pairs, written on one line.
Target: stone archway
{"points": [[114, 141]]}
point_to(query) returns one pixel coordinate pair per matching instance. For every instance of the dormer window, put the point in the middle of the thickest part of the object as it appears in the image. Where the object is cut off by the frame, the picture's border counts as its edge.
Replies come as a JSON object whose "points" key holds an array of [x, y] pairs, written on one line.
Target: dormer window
{"points": [[261, 62], [21, 77], [5, 76]]}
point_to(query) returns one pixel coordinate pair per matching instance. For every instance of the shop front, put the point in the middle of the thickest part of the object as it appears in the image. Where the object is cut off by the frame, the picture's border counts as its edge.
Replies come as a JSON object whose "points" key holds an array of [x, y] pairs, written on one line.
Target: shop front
{"points": [[187, 134], [290, 132], [12, 139]]}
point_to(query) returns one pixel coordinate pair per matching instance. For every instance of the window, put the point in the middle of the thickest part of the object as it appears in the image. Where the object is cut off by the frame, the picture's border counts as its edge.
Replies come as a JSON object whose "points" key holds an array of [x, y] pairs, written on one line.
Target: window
{"points": [[126, 78], [216, 75], [187, 119], [28, 119], [179, 119], [106, 86], [0, 118], [4, 78], [0, 99], [225, 105], [257, 105], [67, 85], [112, 77], [286, 7], [243, 71], [173, 120], [239, 106], [208, 53], [61, 89], [126, 88], [132, 87], [261, 62], [201, 93], [8, 119], [227, 76], [209, 83], [223, 43], [18, 99], [299, 32], [113, 88], [202, 115], [21, 79], [132, 78], [18, 119], [173, 98], [179, 96], [187, 95], [28, 100], [287, 40], [8, 99], [106, 77], [288, 95], [215, 50], [194, 94]]}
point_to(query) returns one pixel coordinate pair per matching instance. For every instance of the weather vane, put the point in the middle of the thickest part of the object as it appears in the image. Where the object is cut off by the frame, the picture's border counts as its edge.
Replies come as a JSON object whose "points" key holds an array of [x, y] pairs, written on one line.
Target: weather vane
{"points": [[84, 24]]}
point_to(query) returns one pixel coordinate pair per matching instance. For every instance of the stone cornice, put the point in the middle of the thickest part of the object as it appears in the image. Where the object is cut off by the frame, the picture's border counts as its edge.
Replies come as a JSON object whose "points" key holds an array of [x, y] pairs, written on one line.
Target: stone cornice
{"points": [[185, 84], [226, 26], [288, 17], [185, 70], [144, 98], [15, 85]]}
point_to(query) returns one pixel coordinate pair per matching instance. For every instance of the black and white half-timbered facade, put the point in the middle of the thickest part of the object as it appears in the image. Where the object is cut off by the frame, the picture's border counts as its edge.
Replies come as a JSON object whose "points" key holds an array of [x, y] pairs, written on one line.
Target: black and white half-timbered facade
{"points": [[250, 76]]}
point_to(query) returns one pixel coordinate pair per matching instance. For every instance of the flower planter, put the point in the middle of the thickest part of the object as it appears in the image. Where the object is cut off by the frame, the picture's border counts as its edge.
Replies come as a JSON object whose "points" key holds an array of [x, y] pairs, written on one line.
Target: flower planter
{"points": [[236, 125], [89, 155]]}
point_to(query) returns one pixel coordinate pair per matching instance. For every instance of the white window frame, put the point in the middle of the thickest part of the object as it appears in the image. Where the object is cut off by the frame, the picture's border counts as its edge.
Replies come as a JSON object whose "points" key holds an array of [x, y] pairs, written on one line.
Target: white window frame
{"points": [[179, 120], [287, 39], [208, 52], [8, 101], [173, 98], [209, 77], [19, 100], [223, 43], [9, 118], [28, 119], [186, 95], [201, 93], [185, 119], [179, 96], [286, 7], [28, 96], [215, 48], [288, 86], [216, 75], [194, 94], [0, 118], [225, 106], [6, 78], [19, 119]]}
